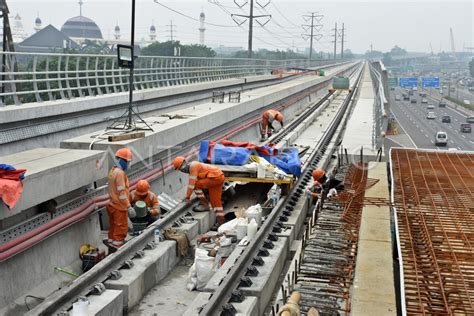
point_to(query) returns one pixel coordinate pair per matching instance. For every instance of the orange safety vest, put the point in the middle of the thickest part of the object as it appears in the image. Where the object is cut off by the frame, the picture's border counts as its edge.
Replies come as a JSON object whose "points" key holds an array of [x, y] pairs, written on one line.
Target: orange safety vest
{"points": [[199, 171], [270, 115], [151, 200], [118, 189]]}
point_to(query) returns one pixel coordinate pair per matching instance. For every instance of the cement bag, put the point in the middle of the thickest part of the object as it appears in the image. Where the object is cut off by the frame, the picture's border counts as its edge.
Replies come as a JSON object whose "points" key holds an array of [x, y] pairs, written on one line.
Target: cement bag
{"points": [[191, 283], [234, 156], [228, 227], [204, 268]]}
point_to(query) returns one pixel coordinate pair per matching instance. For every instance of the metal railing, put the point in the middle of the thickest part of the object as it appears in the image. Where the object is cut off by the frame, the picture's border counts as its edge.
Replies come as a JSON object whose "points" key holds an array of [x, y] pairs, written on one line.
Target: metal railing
{"points": [[38, 77], [381, 103]]}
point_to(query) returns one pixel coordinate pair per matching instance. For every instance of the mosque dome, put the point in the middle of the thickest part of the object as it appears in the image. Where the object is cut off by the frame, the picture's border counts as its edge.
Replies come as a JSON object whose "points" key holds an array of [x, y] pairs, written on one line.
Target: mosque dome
{"points": [[82, 27]]}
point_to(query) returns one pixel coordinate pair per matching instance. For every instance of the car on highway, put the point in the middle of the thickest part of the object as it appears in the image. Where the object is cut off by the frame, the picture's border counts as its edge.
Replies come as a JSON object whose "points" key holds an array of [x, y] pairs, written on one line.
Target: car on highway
{"points": [[465, 128], [470, 119], [441, 138], [424, 101], [430, 107], [413, 101], [446, 119], [423, 94], [397, 98], [442, 103], [431, 115], [406, 97]]}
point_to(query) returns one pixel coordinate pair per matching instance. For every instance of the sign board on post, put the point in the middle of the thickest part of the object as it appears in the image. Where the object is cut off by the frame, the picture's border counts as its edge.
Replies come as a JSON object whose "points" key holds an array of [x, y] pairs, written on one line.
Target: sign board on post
{"points": [[393, 81], [408, 81], [430, 82]]}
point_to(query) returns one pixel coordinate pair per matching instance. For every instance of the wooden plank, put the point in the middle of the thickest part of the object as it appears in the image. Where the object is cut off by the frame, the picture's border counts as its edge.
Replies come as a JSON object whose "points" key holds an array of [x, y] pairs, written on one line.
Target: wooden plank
{"points": [[135, 135]]}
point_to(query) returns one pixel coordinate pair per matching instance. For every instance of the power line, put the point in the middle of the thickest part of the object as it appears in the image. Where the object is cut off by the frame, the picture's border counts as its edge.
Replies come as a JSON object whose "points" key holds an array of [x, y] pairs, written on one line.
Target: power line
{"points": [[190, 17], [278, 10]]}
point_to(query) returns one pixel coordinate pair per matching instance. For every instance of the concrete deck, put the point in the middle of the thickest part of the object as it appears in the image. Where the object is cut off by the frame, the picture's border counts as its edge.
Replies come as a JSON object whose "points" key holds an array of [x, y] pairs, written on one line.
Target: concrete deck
{"points": [[52, 172], [373, 291], [199, 119], [360, 126]]}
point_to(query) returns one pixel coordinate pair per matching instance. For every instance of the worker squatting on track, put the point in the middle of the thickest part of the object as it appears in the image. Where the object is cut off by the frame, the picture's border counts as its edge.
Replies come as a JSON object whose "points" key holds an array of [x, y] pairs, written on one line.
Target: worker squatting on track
{"points": [[323, 183], [119, 207], [143, 193], [202, 176], [269, 118]]}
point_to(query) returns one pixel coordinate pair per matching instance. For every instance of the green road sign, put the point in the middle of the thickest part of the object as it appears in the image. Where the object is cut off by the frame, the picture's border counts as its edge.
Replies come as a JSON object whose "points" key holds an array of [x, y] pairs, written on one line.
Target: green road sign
{"points": [[393, 81]]}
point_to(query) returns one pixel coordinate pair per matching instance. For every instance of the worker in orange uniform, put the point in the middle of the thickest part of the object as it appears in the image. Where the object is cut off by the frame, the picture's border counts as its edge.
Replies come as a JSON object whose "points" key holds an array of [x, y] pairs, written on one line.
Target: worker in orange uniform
{"points": [[323, 183], [203, 176], [143, 193], [119, 207], [268, 119]]}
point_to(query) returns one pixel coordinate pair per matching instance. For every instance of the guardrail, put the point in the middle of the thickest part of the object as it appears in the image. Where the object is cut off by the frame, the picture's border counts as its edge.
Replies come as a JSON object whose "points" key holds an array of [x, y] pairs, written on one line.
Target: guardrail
{"points": [[38, 77], [381, 104]]}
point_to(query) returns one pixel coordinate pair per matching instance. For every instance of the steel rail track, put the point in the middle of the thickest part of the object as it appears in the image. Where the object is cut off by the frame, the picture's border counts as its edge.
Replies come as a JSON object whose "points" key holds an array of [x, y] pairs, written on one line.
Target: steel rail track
{"points": [[88, 282], [220, 302]]}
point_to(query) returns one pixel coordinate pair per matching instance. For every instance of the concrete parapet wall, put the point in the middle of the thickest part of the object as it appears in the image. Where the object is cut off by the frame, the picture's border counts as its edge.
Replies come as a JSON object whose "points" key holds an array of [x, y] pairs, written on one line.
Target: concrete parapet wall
{"points": [[52, 172], [30, 268]]}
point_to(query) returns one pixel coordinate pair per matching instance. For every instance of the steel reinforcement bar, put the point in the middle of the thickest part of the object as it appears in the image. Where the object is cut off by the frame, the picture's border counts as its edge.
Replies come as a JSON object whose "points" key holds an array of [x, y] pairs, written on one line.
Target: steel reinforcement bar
{"points": [[433, 196]]}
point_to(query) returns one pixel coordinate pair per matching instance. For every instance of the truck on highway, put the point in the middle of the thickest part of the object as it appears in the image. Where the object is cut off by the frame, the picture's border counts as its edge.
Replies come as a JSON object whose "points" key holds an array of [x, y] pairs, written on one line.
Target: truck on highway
{"points": [[442, 103]]}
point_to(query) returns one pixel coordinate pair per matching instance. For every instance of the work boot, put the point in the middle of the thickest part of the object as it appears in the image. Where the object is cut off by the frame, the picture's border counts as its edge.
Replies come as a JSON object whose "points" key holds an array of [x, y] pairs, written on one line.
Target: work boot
{"points": [[113, 245]]}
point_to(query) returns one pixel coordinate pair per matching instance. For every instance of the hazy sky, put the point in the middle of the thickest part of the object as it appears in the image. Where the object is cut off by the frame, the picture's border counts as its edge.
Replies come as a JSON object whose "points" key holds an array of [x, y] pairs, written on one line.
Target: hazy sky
{"points": [[412, 25]]}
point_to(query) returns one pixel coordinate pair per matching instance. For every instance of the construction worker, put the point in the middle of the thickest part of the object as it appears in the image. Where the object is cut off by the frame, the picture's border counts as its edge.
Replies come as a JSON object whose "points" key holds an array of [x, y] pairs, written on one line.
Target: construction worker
{"points": [[119, 207], [321, 183], [268, 119], [143, 193], [203, 176]]}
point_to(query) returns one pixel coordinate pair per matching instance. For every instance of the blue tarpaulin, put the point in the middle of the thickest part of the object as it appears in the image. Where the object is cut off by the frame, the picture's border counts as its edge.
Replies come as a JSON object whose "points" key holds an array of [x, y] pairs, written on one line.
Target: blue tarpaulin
{"points": [[288, 160]]}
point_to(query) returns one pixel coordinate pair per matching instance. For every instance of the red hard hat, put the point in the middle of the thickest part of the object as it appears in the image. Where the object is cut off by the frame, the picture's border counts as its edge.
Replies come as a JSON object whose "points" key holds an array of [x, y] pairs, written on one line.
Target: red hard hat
{"points": [[124, 153], [178, 162], [142, 187], [279, 117], [318, 174]]}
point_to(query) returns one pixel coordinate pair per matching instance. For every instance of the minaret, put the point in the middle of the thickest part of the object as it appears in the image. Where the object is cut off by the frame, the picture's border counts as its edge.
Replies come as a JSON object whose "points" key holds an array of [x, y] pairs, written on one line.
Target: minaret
{"points": [[152, 32], [202, 29], [80, 7], [38, 24], [117, 32]]}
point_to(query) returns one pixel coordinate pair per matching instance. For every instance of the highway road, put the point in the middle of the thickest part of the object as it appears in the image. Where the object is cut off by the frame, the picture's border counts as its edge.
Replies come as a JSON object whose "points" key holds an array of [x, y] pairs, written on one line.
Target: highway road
{"points": [[412, 119]]}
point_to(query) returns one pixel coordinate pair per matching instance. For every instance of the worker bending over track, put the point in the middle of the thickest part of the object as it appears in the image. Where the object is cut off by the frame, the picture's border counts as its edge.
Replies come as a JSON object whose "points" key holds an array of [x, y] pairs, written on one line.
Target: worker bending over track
{"points": [[143, 193], [203, 176], [119, 208], [270, 118], [323, 183]]}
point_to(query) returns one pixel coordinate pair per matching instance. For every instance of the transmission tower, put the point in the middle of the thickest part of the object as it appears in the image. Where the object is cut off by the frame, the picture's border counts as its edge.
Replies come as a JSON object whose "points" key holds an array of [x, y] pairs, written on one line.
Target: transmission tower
{"points": [[313, 28], [171, 30], [250, 18], [342, 41], [451, 35]]}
